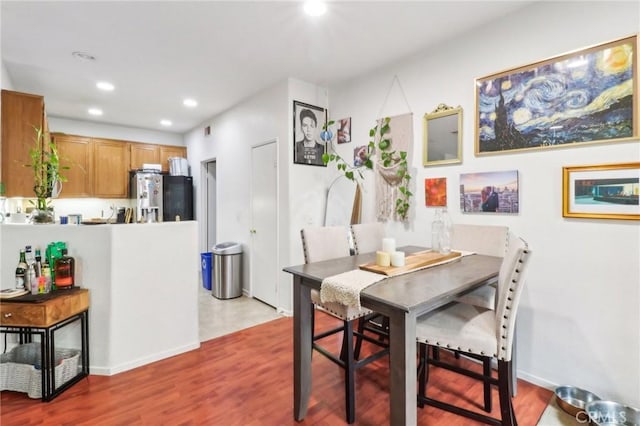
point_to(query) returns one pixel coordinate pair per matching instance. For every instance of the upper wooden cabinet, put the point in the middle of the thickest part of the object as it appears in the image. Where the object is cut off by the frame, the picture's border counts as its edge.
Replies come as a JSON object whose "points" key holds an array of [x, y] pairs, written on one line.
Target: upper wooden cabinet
{"points": [[76, 152], [142, 153], [21, 113], [167, 151], [111, 161]]}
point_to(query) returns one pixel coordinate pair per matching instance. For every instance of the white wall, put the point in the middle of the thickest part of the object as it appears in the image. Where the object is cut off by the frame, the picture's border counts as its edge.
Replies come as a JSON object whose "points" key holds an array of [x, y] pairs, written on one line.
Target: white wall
{"points": [[257, 120], [580, 315], [5, 80]]}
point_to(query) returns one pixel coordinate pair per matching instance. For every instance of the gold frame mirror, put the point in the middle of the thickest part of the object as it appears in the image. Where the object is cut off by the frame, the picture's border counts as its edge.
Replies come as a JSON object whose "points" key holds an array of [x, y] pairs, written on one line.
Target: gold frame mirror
{"points": [[442, 136]]}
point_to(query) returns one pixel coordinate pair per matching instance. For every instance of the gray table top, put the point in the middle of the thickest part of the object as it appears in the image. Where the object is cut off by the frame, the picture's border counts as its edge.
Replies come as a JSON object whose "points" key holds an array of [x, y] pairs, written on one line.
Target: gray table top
{"points": [[417, 291]]}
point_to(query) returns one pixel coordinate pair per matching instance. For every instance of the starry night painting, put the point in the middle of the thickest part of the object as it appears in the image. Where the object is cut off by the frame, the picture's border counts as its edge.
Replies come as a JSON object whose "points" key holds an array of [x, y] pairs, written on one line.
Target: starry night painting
{"points": [[582, 97]]}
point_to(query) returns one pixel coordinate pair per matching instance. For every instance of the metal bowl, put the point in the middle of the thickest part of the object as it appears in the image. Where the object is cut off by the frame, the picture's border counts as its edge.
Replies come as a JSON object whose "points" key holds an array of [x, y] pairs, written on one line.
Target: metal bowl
{"points": [[609, 413], [574, 400]]}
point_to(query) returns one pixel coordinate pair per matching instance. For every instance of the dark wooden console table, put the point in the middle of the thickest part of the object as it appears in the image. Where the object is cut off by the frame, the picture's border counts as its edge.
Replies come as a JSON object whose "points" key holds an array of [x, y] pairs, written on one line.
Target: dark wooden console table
{"points": [[42, 315]]}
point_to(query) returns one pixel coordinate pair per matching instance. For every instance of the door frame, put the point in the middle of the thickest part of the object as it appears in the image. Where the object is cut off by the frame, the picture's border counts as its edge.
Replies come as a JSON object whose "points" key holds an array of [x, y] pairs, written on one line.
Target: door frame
{"points": [[202, 204], [277, 242]]}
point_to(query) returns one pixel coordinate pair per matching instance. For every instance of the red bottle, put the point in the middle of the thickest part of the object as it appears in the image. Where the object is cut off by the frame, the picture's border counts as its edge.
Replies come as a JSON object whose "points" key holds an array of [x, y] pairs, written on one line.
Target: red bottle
{"points": [[65, 271]]}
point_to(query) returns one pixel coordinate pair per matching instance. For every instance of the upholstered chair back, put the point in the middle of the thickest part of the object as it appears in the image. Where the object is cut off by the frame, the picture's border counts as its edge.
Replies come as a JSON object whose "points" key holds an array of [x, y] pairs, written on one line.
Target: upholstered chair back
{"points": [[324, 243], [367, 237], [489, 240], [511, 280]]}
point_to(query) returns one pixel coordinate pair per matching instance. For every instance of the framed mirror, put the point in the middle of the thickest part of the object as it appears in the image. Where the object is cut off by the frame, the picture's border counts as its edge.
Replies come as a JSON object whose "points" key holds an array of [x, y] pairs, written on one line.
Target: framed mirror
{"points": [[442, 136]]}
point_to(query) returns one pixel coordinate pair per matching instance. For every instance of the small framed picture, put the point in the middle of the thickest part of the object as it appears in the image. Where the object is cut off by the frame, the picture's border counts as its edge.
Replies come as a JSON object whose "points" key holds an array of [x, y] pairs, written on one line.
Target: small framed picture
{"points": [[360, 155], [307, 125], [606, 191], [344, 130], [435, 192], [489, 192]]}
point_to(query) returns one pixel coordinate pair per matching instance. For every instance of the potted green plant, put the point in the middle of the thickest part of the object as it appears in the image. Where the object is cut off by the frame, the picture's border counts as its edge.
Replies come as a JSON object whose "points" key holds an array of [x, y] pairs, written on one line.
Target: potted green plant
{"points": [[47, 179], [394, 163]]}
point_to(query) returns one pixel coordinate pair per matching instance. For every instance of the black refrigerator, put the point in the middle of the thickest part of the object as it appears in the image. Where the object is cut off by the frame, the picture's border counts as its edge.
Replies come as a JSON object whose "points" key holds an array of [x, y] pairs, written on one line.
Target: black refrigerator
{"points": [[177, 198]]}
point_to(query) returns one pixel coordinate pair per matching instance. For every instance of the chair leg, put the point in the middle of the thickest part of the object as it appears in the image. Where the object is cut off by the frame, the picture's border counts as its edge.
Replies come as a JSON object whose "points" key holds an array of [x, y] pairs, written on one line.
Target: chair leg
{"points": [[486, 371], [349, 376], [504, 391], [361, 323], [423, 373], [436, 353]]}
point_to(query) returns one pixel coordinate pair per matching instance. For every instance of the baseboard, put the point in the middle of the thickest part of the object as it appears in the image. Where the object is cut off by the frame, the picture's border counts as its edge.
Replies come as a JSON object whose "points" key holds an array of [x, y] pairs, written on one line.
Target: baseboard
{"points": [[538, 381], [110, 371]]}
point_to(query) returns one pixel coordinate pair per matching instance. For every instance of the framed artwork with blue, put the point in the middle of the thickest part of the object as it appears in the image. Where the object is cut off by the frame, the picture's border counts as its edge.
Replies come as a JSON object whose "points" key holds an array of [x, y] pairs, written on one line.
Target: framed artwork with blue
{"points": [[587, 96]]}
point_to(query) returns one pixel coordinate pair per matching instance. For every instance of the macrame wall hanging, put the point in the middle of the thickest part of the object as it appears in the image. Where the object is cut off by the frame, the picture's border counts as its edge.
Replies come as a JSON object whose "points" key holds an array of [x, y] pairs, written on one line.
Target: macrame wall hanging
{"points": [[387, 180]]}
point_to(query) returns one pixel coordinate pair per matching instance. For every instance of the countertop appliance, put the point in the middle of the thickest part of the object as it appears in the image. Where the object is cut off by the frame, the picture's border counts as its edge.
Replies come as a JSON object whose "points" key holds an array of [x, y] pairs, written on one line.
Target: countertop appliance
{"points": [[177, 202], [146, 189]]}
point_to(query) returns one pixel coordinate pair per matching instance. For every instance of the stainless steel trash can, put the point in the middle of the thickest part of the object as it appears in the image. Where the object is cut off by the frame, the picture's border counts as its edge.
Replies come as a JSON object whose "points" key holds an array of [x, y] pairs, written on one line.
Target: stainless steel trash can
{"points": [[227, 270]]}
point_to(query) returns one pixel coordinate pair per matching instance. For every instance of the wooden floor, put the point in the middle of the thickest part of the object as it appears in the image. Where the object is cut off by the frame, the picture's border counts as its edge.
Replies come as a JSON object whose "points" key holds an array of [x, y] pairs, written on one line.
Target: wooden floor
{"points": [[245, 379]]}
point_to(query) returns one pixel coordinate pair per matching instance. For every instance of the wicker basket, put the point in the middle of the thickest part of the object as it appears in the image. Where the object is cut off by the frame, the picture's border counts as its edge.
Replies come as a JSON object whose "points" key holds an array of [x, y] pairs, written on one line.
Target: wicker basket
{"points": [[20, 369]]}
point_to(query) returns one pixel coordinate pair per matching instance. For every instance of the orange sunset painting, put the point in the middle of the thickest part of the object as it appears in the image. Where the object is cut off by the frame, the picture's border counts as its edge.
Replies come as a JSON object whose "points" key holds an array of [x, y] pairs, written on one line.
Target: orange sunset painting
{"points": [[435, 192]]}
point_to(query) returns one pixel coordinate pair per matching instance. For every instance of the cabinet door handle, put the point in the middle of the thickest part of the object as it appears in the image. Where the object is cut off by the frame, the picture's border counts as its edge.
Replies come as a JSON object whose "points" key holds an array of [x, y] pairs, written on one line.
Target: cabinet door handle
{"points": [[8, 315]]}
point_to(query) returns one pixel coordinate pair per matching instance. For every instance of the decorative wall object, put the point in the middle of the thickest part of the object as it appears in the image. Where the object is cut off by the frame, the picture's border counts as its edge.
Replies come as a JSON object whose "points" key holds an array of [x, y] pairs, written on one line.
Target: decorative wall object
{"points": [[489, 192], [582, 97], [442, 130], [360, 155], [307, 124], [435, 192], [344, 130], [387, 180], [606, 191]]}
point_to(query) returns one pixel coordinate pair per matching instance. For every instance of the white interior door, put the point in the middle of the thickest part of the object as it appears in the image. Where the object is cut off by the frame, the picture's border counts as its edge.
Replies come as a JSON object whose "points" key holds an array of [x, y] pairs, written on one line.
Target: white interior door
{"points": [[264, 217]]}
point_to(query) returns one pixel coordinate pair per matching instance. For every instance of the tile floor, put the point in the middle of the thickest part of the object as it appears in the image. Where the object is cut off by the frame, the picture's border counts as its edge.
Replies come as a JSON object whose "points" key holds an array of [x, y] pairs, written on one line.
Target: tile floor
{"points": [[219, 317]]}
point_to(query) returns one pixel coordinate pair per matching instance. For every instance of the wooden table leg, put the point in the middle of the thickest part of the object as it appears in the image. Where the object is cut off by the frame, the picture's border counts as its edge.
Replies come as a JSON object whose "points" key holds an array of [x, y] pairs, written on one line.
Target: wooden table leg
{"points": [[402, 335], [302, 335]]}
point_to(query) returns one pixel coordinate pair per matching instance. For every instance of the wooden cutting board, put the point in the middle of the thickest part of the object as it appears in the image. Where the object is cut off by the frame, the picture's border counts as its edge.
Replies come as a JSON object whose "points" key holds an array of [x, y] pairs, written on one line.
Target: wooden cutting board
{"points": [[412, 262]]}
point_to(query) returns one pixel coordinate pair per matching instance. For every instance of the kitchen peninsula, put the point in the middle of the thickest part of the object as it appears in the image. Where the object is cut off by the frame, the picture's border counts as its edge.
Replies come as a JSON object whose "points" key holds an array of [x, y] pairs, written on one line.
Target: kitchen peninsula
{"points": [[143, 282]]}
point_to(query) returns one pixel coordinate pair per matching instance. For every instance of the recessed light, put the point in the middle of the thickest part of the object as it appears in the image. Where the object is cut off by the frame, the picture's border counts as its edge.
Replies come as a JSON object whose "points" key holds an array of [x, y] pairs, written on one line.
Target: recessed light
{"points": [[315, 7], [105, 85], [83, 56], [191, 103], [95, 111], [166, 122]]}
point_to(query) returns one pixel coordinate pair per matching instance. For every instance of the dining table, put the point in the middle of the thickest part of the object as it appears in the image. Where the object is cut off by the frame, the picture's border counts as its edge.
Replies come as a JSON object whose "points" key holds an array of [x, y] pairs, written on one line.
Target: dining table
{"points": [[402, 299]]}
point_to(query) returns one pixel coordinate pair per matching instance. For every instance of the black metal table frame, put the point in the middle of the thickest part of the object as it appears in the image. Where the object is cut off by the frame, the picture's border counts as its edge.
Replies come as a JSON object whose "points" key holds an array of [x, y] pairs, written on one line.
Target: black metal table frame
{"points": [[47, 351]]}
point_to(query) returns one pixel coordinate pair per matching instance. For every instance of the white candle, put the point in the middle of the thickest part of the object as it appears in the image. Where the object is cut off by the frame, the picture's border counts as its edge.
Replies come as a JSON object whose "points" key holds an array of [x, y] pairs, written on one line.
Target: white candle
{"points": [[383, 258], [397, 258], [388, 245]]}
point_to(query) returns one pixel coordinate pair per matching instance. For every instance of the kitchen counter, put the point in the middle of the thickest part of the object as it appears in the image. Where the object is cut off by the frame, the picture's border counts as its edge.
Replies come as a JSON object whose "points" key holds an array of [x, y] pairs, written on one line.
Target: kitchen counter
{"points": [[143, 281]]}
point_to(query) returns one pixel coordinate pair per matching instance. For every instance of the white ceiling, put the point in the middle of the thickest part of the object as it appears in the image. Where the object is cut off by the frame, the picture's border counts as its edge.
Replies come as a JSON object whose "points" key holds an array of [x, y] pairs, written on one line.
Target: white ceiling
{"points": [[219, 52]]}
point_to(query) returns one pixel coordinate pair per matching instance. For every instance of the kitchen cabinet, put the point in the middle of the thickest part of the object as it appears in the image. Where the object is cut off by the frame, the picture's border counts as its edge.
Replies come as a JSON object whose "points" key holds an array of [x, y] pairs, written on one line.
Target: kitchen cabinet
{"points": [[76, 152], [111, 161], [142, 153], [167, 151], [21, 113]]}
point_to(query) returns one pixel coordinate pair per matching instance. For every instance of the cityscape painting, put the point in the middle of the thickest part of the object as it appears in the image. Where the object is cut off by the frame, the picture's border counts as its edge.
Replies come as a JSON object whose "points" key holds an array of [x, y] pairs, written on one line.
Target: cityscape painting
{"points": [[583, 97], [489, 192]]}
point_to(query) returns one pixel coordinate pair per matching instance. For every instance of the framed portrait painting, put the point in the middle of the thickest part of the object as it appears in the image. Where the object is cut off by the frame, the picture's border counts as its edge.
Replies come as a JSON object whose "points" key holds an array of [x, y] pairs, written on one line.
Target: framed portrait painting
{"points": [[606, 191], [308, 120], [587, 96]]}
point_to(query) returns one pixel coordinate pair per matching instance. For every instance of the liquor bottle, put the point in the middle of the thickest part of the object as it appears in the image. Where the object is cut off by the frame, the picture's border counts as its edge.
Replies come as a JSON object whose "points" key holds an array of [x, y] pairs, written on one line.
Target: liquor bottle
{"points": [[21, 270], [33, 280], [38, 263], [46, 277], [64, 271], [30, 261]]}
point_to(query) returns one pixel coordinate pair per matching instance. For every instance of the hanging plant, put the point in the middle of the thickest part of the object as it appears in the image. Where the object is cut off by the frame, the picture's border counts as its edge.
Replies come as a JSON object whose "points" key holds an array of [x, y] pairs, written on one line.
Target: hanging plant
{"points": [[387, 158], [396, 161], [349, 171]]}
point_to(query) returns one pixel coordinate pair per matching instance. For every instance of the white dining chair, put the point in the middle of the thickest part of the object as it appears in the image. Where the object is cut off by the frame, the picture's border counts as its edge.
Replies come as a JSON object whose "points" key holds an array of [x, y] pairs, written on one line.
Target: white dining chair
{"points": [[489, 240], [480, 333], [330, 242], [367, 237]]}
